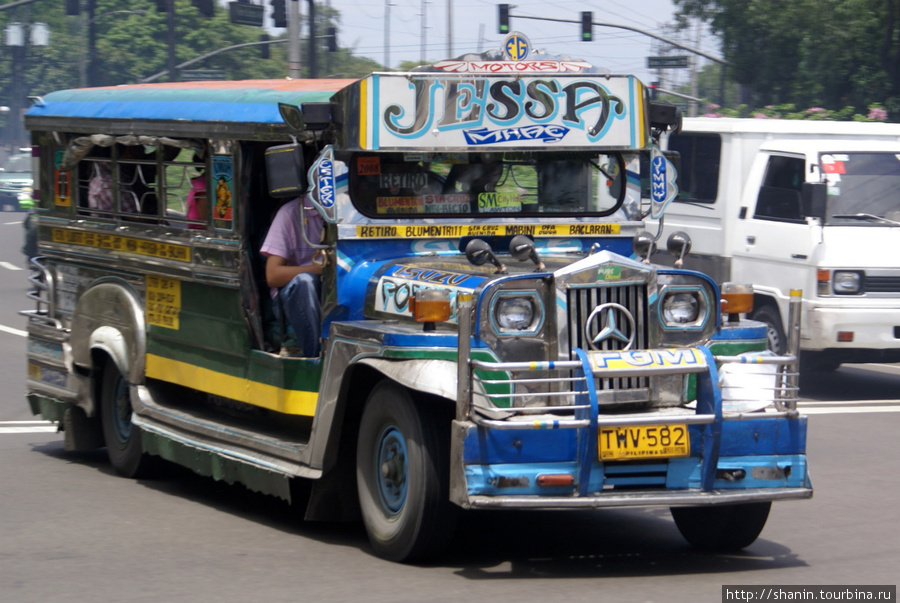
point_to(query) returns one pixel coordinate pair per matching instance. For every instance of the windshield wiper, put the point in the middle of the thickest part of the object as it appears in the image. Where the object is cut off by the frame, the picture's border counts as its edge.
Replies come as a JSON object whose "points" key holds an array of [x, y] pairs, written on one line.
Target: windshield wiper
{"points": [[867, 217]]}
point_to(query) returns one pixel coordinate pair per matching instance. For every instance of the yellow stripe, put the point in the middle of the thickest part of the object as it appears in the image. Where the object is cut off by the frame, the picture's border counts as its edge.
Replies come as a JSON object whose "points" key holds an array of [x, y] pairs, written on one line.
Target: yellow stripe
{"points": [[640, 117], [422, 231], [286, 401], [363, 109]]}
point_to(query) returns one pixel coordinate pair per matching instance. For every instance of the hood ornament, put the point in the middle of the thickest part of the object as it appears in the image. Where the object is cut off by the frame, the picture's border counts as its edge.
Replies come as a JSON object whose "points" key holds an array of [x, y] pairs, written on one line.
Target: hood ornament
{"points": [[610, 322]]}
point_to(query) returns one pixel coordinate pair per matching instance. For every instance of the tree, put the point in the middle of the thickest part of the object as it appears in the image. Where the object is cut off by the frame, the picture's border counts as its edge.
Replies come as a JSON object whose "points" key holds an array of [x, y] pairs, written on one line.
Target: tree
{"points": [[828, 53]]}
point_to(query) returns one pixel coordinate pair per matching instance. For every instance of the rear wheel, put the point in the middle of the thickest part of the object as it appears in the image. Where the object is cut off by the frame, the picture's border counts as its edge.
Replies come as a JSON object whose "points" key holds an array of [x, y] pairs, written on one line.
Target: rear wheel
{"points": [[774, 331], [402, 473], [722, 528], [123, 439]]}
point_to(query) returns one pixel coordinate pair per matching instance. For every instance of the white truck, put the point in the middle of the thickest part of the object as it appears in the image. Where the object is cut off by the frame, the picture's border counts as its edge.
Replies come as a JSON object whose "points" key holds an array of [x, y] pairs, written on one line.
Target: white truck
{"points": [[779, 203]]}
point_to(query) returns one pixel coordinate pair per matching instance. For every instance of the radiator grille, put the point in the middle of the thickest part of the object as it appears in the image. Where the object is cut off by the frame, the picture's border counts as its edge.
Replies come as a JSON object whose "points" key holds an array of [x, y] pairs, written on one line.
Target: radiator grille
{"points": [[581, 303]]}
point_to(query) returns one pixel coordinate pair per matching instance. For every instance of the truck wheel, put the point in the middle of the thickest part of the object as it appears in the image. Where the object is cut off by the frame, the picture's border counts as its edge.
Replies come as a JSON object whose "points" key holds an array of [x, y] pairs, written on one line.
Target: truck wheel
{"points": [[722, 528], [123, 440], [774, 331], [402, 473]]}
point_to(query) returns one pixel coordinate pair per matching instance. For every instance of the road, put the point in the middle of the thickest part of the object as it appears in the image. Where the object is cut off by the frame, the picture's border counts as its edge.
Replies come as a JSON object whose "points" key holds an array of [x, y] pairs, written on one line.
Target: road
{"points": [[72, 531]]}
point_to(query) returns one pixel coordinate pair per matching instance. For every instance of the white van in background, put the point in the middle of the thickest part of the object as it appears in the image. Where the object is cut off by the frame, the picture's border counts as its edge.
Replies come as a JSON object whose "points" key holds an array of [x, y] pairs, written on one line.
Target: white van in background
{"points": [[785, 204]]}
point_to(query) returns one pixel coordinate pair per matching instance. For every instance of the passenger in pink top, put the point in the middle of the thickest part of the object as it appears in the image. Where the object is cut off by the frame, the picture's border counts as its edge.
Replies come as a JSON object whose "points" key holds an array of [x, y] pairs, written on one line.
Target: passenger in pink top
{"points": [[292, 276]]}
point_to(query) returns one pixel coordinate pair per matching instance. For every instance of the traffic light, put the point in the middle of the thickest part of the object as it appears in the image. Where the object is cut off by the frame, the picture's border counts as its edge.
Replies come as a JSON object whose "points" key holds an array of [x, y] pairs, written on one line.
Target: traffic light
{"points": [[332, 39], [504, 18], [206, 7], [279, 13], [654, 90], [264, 48], [72, 7], [587, 26]]}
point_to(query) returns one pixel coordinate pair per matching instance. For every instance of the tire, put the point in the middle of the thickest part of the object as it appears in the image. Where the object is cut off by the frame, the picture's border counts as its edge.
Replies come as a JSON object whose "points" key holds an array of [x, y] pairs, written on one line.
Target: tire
{"points": [[722, 528], [402, 474], [123, 439], [774, 331]]}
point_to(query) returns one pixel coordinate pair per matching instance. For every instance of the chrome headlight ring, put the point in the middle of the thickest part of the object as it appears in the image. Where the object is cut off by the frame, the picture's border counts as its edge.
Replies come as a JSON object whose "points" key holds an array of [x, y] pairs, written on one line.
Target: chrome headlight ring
{"points": [[517, 313], [684, 307]]}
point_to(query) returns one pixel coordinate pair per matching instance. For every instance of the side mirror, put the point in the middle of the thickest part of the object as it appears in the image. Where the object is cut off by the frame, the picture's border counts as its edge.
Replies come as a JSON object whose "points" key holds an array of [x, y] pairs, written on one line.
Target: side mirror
{"points": [[813, 199], [292, 116], [286, 171]]}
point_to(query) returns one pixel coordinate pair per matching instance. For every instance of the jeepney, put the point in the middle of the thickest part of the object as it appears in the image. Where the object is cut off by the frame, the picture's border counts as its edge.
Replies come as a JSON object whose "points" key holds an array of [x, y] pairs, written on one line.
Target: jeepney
{"points": [[494, 335]]}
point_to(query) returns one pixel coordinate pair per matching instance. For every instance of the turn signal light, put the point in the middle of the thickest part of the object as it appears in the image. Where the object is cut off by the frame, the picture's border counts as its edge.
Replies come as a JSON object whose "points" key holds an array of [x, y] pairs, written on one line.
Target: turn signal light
{"points": [[430, 305], [737, 298]]}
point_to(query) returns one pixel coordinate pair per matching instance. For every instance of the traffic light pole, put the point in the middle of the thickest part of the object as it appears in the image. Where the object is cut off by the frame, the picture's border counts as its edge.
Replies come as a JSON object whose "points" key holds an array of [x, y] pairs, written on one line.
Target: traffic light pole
{"points": [[207, 55], [630, 28]]}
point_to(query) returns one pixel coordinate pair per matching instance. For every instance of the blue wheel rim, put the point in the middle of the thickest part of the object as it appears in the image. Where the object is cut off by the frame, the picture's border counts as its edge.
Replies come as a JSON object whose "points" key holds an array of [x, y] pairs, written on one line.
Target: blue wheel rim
{"points": [[391, 469]]}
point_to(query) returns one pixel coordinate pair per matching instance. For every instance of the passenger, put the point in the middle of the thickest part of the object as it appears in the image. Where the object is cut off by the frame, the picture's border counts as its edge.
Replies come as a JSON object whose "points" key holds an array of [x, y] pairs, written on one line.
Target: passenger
{"points": [[195, 204], [100, 189], [291, 274]]}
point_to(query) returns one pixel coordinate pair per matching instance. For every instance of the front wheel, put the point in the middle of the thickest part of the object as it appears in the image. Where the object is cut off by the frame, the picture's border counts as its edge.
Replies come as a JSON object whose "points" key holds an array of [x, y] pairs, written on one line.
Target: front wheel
{"points": [[402, 473], [774, 331], [123, 439], [722, 528]]}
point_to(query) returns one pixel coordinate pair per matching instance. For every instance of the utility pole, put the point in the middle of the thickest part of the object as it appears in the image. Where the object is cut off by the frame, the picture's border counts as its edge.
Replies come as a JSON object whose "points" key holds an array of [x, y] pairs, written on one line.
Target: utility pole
{"points": [[294, 66], [312, 39], [170, 21]]}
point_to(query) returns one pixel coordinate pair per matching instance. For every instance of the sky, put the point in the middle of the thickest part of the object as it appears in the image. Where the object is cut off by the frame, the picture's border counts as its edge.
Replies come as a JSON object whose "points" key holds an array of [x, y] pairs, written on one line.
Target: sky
{"points": [[363, 28]]}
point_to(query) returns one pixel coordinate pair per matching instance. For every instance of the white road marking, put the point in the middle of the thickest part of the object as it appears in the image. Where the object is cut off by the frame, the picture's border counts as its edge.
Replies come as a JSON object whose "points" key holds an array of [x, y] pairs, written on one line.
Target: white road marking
{"points": [[13, 331], [27, 427], [848, 410], [9, 266]]}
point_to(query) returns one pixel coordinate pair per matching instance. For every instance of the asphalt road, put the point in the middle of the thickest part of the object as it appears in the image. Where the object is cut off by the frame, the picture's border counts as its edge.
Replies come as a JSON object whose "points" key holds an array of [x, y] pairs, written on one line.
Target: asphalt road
{"points": [[70, 530]]}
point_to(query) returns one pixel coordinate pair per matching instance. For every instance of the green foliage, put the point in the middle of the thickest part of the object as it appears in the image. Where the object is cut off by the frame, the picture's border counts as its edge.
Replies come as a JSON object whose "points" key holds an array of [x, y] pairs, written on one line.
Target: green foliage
{"points": [[833, 54], [131, 47], [876, 112]]}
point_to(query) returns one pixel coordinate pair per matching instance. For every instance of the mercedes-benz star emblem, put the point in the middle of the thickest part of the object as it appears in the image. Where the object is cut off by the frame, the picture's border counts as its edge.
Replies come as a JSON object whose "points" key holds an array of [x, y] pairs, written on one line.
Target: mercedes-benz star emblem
{"points": [[610, 325]]}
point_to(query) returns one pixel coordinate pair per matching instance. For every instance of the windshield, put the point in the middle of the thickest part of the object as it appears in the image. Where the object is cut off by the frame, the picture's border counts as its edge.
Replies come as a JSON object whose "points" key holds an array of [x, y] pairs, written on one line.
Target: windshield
{"points": [[862, 187], [416, 184]]}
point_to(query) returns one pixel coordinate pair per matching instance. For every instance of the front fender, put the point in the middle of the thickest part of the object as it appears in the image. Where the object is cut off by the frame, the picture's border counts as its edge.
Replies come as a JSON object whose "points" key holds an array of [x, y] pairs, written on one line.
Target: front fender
{"points": [[428, 375], [110, 317]]}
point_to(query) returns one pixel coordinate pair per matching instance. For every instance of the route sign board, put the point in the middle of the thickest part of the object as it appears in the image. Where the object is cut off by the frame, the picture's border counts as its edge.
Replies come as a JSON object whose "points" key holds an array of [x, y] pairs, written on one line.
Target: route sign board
{"points": [[670, 62], [246, 14]]}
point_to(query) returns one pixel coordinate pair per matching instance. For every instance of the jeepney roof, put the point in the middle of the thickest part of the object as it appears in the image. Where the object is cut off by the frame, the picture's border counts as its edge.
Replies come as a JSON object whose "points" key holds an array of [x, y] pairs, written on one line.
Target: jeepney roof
{"points": [[234, 105]]}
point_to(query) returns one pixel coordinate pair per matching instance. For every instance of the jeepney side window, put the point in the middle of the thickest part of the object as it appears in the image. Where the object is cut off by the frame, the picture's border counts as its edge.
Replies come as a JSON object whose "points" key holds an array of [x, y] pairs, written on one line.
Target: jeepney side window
{"points": [[698, 174], [185, 185]]}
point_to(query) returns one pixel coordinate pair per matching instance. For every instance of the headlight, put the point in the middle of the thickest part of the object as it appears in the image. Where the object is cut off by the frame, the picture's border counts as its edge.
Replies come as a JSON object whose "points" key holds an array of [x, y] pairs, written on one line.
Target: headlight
{"points": [[684, 307], [516, 313], [681, 308], [847, 283]]}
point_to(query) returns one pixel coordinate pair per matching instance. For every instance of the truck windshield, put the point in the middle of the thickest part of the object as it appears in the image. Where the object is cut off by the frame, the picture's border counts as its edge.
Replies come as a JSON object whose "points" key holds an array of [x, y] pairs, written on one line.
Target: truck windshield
{"points": [[416, 184], [862, 187]]}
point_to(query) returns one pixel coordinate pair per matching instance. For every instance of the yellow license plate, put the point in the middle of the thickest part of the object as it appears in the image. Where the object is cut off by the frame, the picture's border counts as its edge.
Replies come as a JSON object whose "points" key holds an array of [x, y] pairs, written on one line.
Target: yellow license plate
{"points": [[643, 442]]}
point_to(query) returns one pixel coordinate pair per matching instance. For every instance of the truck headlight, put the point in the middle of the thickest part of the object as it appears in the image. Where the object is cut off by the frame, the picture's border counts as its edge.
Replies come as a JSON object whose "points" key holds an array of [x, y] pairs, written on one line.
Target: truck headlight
{"points": [[847, 283], [516, 313]]}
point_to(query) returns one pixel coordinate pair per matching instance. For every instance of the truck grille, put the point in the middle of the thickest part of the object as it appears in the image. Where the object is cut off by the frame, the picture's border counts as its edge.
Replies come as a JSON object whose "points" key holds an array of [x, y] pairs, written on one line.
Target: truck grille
{"points": [[882, 284], [581, 303]]}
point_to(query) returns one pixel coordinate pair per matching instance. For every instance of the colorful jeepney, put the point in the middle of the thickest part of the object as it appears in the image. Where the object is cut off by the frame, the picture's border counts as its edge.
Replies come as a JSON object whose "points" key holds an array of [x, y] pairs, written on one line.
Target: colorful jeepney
{"points": [[494, 335]]}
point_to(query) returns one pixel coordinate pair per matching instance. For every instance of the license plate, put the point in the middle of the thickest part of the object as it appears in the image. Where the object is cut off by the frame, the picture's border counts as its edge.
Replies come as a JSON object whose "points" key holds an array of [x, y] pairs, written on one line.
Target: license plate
{"points": [[643, 442]]}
